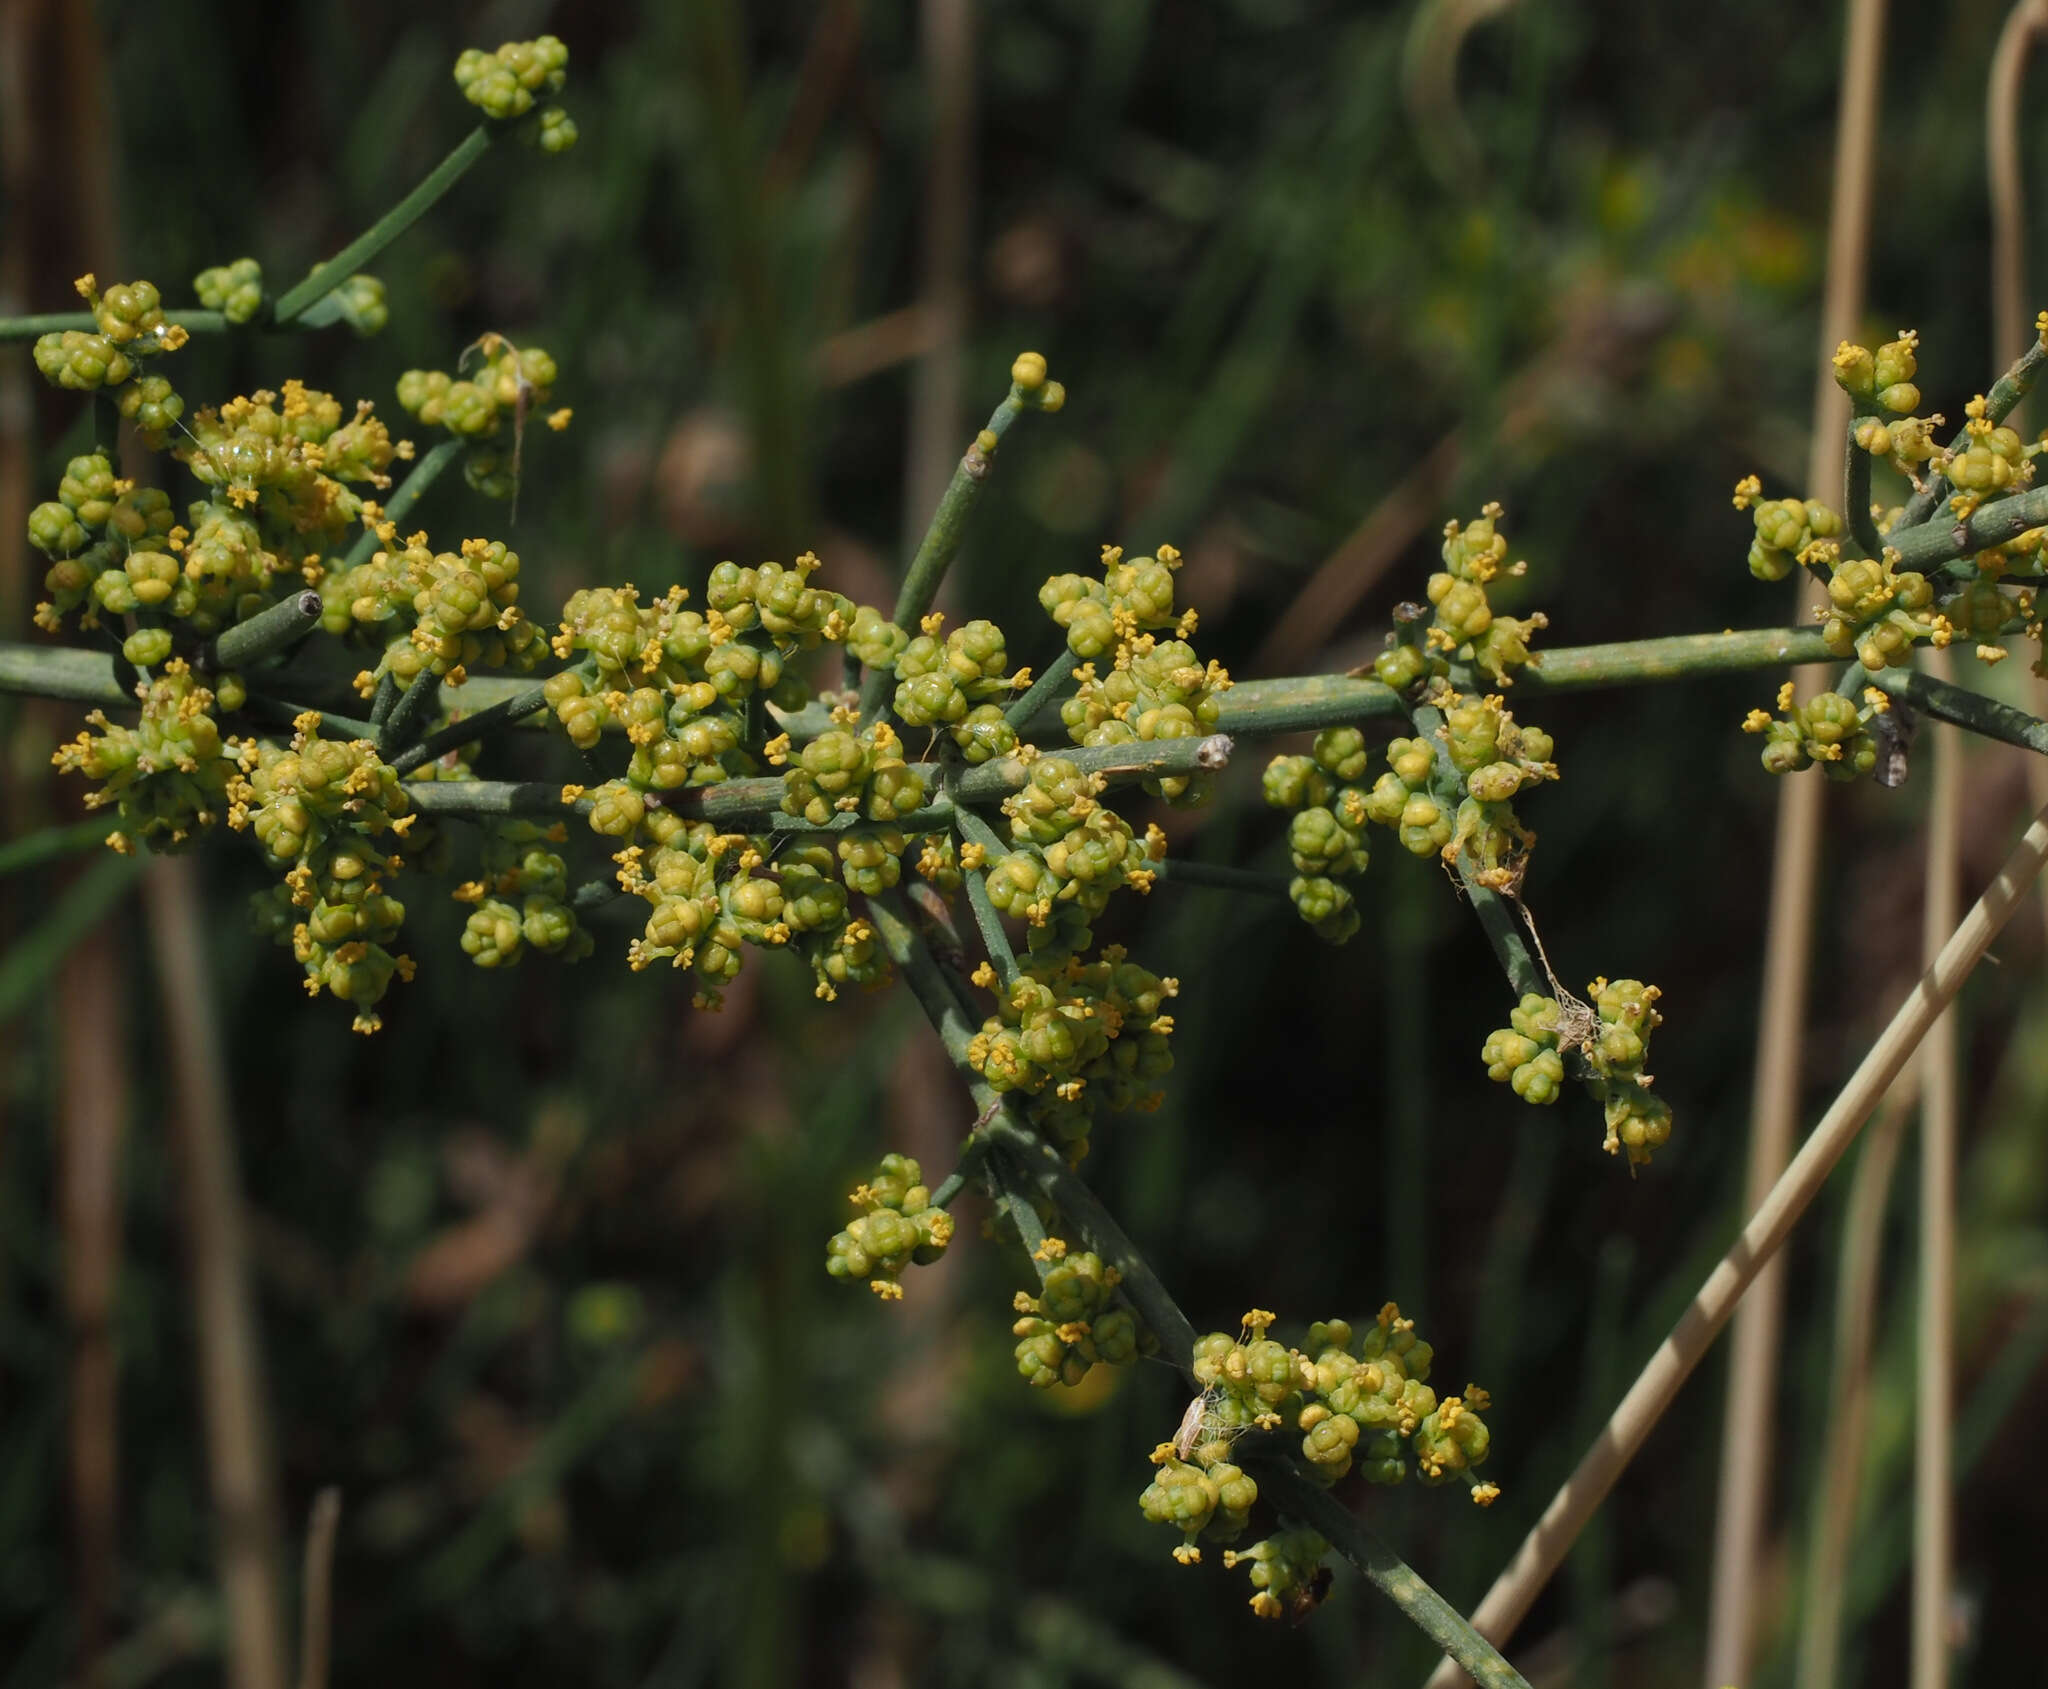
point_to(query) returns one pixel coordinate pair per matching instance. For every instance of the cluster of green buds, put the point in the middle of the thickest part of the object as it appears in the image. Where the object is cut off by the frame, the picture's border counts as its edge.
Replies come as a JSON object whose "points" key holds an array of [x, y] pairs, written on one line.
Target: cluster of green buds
{"points": [[504, 85], [1789, 531], [1877, 610], [1069, 1034], [897, 1227], [1134, 595], [850, 771], [1496, 757], [1326, 835], [1288, 1572], [1827, 730], [523, 900], [170, 775], [1366, 1402], [1612, 1035], [1155, 690], [277, 474], [1074, 1322], [235, 289], [1069, 854], [129, 330], [109, 545], [1465, 627], [950, 682], [489, 409], [443, 614], [326, 811]]}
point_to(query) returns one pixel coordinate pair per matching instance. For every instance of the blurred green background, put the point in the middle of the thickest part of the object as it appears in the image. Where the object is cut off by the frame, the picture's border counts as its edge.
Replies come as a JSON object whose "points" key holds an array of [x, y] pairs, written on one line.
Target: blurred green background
{"points": [[539, 1268]]}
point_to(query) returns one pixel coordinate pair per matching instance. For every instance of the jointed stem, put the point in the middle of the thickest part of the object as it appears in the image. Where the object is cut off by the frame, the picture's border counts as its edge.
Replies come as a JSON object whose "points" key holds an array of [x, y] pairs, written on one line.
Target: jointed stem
{"points": [[1022, 1154], [380, 234], [941, 543], [265, 634], [461, 731], [56, 322]]}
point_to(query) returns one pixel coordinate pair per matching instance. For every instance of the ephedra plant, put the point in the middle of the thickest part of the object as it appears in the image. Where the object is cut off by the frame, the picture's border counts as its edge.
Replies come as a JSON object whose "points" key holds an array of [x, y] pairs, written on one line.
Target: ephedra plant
{"points": [[277, 660]]}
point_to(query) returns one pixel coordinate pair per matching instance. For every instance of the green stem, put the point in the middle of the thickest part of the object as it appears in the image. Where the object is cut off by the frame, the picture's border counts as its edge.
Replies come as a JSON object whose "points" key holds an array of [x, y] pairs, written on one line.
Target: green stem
{"points": [[382, 700], [990, 925], [478, 724], [1969, 710], [2009, 389], [56, 322], [1019, 714], [1496, 920], [264, 634], [380, 234], [1428, 1611], [941, 543], [282, 712], [1033, 1159], [1932, 544], [410, 714], [493, 797], [34, 849], [424, 474]]}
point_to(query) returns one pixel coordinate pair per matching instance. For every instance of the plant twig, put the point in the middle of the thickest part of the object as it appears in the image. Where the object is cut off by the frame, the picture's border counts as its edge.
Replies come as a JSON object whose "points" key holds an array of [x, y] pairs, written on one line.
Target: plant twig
{"points": [[941, 543], [1021, 713], [410, 715], [1658, 1383], [56, 322], [366, 246], [264, 634], [476, 725]]}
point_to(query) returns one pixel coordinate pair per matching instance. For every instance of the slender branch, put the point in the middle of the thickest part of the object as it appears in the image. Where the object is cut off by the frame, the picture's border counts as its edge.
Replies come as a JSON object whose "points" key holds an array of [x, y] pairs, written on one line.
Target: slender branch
{"points": [[264, 634], [364, 248], [479, 723], [1019, 715], [1033, 1159], [1960, 707], [383, 699], [1929, 546], [1639, 1410], [941, 543], [56, 322], [410, 714], [424, 474], [1435, 1617], [755, 805]]}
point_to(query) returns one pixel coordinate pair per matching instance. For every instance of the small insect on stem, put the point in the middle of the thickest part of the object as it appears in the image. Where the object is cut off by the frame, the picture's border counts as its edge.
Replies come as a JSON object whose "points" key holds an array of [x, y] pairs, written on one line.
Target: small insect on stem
{"points": [[1190, 1432]]}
